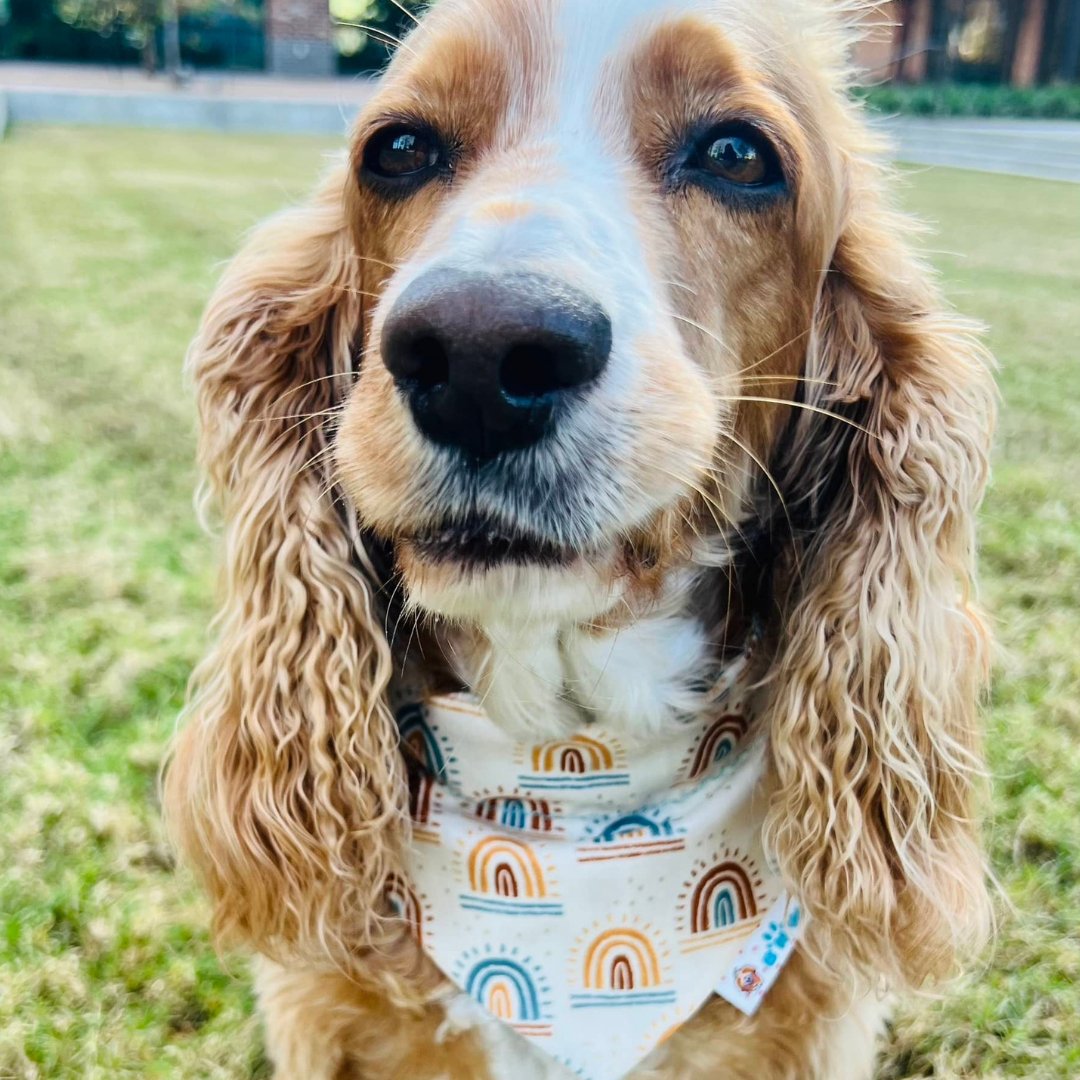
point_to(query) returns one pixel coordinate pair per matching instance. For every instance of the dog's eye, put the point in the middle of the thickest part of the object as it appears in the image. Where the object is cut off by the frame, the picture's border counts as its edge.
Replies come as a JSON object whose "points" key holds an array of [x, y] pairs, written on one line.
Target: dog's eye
{"points": [[733, 160], [737, 159], [402, 153]]}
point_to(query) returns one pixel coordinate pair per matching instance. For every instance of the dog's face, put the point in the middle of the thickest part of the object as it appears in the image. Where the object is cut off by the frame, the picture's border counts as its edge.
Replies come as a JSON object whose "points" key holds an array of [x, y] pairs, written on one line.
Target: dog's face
{"points": [[582, 254]]}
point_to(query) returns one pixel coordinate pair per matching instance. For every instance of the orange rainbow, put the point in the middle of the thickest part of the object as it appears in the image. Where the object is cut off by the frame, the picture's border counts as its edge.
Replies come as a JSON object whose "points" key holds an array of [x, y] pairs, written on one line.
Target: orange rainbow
{"points": [[499, 1002], [506, 867], [622, 958], [577, 755]]}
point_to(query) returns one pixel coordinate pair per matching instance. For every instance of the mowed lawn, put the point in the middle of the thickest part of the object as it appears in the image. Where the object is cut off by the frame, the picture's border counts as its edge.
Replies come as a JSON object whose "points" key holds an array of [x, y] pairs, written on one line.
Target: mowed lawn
{"points": [[109, 245]]}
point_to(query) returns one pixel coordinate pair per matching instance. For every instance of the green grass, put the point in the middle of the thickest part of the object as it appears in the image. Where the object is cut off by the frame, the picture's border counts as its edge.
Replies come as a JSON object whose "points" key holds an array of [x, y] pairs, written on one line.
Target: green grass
{"points": [[109, 244]]}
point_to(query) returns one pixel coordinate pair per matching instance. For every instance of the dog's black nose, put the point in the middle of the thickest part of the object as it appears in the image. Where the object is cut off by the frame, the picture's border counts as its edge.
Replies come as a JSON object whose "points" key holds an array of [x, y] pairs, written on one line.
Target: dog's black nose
{"points": [[485, 361]]}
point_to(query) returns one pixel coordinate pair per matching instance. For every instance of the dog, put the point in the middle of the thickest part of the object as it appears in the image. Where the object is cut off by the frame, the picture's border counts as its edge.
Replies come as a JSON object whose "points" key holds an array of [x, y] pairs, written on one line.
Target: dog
{"points": [[602, 364]]}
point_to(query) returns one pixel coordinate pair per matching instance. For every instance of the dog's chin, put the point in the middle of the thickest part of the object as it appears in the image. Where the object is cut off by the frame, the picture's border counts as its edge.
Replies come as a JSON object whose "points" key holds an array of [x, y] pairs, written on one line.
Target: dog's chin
{"points": [[481, 575]]}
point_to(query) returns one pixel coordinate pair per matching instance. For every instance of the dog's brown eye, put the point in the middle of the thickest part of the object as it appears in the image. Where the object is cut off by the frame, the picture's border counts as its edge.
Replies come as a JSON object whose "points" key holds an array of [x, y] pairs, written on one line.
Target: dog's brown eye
{"points": [[402, 153], [737, 160]]}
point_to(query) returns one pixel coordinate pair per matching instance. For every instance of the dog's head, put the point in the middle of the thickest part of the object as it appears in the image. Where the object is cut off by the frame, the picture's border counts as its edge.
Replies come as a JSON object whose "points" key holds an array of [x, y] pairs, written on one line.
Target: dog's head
{"points": [[607, 289], [592, 239]]}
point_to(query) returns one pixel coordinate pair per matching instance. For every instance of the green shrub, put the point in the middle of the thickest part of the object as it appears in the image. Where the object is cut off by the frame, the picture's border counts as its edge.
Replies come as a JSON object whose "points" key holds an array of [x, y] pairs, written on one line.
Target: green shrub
{"points": [[974, 99]]}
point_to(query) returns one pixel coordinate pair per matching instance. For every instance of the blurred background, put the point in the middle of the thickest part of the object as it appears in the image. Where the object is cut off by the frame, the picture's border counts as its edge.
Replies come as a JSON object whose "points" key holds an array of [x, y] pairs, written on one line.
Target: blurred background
{"points": [[1023, 43], [139, 140]]}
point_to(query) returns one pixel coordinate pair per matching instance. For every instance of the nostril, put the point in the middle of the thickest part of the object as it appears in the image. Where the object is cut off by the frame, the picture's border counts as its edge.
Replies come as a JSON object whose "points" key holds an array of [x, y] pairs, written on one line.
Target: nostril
{"points": [[529, 371], [427, 364]]}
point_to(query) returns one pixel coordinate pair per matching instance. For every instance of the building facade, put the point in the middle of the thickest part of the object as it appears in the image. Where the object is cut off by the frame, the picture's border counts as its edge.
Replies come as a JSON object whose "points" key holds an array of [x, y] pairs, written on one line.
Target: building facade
{"points": [[299, 38], [1022, 42]]}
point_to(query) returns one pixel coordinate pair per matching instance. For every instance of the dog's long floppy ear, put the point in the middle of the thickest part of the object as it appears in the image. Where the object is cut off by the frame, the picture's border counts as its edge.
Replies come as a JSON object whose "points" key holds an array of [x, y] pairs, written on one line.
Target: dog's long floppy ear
{"points": [[284, 788], [883, 655]]}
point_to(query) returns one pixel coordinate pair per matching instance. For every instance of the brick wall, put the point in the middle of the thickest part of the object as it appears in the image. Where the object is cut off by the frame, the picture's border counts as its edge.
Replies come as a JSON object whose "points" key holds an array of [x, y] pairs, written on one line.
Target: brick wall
{"points": [[299, 39]]}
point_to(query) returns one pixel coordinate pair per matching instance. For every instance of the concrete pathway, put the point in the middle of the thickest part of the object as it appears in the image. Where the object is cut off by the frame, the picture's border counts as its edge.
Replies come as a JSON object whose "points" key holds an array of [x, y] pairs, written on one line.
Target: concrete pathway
{"points": [[214, 101], [73, 94], [1044, 149]]}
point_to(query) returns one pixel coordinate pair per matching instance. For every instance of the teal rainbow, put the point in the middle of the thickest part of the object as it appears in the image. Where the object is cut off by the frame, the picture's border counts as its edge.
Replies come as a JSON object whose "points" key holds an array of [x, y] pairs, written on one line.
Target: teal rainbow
{"points": [[504, 987], [419, 740], [634, 826]]}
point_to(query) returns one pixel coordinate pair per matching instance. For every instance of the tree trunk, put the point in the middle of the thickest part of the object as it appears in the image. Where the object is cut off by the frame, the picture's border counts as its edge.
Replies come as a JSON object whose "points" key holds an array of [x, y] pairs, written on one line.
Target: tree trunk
{"points": [[172, 39], [1069, 68], [149, 52], [1029, 44]]}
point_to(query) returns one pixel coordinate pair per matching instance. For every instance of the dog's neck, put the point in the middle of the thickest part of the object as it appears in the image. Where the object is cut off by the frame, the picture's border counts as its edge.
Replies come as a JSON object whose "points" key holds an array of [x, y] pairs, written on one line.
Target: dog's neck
{"points": [[636, 676]]}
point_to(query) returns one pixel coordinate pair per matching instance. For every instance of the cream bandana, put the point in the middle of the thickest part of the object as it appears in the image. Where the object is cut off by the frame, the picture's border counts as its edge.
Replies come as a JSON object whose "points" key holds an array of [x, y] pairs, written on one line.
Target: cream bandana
{"points": [[593, 893]]}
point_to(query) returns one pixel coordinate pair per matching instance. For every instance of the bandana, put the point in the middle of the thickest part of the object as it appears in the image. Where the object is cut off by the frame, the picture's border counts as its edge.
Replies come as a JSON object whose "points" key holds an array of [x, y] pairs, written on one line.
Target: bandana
{"points": [[591, 892]]}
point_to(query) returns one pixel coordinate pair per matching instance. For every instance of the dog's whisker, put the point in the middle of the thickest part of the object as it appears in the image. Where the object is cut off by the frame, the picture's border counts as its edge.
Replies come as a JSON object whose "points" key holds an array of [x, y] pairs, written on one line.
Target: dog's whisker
{"points": [[376, 262], [733, 438], [380, 35], [809, 381], [405, 11], [307, 385], [679, 285], [802, 405], [779, 349], [711, 334], [272, 419]]}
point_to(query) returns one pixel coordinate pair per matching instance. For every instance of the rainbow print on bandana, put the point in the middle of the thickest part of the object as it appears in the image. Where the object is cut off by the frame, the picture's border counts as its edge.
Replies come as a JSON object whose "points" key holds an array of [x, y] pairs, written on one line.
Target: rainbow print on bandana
{"points": [[722, 902], [578, 763], [425, 797], [506, 877], [406, 905], [628, 836], [430, 765], [422, 744], [509, 986], [719, 741], [591, 891], [519, 813], [621, 965]]}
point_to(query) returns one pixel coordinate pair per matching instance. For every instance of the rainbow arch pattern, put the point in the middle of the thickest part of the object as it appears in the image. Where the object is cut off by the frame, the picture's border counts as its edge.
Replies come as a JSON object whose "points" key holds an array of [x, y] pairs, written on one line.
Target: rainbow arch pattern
{"points": [[621, 965], [718, 743], [722, 901], [632, 835], [425, 797], [575, 764], [406, 905], [509, 987], [430, 764], [422, 746], [519, 813], [586, 947], [506, 877]]}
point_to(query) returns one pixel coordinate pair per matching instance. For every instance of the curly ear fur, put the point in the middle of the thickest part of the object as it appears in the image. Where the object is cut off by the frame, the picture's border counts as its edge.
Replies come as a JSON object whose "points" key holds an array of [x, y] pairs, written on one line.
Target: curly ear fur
{"points": [[285, 790], [882, 654]]}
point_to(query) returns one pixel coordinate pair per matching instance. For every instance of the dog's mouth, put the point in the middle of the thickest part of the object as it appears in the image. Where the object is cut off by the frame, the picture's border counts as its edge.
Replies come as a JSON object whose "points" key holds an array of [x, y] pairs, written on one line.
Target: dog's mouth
{"points": [[479, 543]]}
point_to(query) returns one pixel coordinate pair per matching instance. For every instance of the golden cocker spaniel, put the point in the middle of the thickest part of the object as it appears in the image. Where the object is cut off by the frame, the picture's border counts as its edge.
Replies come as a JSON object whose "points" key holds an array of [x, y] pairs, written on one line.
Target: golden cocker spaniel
{"points": [[604, 351]]}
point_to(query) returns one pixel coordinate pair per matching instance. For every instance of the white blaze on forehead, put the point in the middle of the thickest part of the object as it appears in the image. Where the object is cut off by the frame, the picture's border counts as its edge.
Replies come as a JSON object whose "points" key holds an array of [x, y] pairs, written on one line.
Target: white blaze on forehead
{"points": [[592, 33], [590, 151]]}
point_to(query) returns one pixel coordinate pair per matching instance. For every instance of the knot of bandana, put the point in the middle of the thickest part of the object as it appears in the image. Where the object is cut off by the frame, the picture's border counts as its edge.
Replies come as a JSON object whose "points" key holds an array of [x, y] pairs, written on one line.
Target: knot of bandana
{"points": [[591, 892]]}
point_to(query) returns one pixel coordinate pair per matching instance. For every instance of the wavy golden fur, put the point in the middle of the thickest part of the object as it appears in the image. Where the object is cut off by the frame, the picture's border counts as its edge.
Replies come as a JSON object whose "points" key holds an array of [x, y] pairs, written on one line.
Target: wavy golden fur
{"points": [[869, 410]]}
